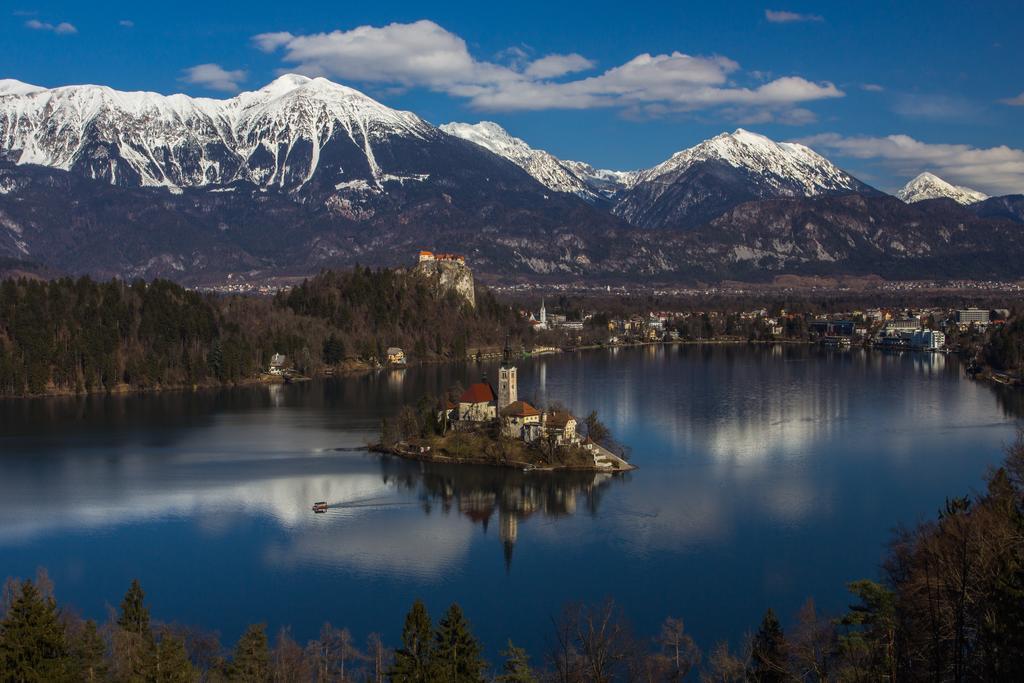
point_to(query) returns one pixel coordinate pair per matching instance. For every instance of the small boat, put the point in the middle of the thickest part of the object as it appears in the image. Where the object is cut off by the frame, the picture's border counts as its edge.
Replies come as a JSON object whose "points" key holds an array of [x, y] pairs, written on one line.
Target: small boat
{"points": [[320, 506]]}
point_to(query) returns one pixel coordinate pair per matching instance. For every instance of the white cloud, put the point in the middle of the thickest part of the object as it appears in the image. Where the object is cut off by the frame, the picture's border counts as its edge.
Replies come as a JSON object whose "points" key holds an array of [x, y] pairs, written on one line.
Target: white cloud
{"points": [[553, 66], [126, 23], [268, 42], [1017, 101], [784, 17], [996, 170], [214, 77], [62, 28], [871, 87], [424, 54]]}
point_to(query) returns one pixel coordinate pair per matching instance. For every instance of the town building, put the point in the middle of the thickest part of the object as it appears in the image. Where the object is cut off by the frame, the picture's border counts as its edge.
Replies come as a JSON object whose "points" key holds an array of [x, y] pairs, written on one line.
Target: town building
{"points": [[561, 425], [928, 340], [277, 364], [902, 325], [969, 316], [395, 355]]}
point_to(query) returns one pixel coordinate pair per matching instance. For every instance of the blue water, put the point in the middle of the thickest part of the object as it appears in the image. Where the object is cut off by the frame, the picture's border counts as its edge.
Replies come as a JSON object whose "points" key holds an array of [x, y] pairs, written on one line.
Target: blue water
{"points": [[767, 475]]}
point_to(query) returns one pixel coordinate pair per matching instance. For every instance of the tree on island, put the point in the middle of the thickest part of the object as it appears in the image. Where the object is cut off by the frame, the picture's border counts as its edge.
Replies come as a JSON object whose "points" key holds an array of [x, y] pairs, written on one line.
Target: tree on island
{"points": [[596, 430]]}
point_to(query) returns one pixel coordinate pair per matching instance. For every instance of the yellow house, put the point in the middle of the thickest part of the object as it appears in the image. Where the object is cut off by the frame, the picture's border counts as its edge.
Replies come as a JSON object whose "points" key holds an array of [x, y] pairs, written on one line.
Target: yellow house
{"points": [[562, 425]]}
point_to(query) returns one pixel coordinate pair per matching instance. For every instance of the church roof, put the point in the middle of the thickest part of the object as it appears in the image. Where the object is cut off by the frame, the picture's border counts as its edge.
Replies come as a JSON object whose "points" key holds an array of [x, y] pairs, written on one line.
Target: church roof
{"points": [[519, 409], [480, 392]]}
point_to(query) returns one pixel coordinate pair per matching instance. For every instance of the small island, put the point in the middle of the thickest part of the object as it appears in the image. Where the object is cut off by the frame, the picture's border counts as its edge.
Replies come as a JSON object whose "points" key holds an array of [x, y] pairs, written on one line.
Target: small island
{"points": [[481, 426]]}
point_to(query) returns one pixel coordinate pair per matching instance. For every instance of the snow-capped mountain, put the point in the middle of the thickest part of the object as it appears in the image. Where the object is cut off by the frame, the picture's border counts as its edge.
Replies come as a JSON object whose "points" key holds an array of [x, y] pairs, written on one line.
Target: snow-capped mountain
{"points": [[544, 166], [930, 186], [280, 135], [604, 181], [699, 183]]}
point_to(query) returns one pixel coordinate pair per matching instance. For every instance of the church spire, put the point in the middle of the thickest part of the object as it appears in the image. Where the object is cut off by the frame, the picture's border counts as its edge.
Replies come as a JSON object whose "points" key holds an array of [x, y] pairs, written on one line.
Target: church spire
{"points": [[506, 356]]}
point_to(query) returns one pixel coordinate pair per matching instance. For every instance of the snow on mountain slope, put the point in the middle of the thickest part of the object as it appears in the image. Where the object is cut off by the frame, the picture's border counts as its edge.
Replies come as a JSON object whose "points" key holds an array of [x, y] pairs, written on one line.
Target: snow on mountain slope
{"points": [[697, 184], [791, 168], [602, 180], [930, 186], [543, 166], [272, 136]]}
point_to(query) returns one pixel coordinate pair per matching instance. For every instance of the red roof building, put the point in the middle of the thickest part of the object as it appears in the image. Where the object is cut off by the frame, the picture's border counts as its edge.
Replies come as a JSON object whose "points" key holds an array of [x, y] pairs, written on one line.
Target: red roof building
{"points": [[481, 392]]}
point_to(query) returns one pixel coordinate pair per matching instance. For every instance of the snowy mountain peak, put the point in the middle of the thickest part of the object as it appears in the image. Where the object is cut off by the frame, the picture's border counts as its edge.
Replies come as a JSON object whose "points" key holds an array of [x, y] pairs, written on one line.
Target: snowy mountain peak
{"points": [[543, 166], [805, 170], [10, 86], [930, 186], [271, 136]]}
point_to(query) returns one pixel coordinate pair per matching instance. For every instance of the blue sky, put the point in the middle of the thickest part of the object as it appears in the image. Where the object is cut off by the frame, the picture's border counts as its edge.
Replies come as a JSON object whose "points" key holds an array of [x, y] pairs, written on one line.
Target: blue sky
{"points": [[884, 89]]}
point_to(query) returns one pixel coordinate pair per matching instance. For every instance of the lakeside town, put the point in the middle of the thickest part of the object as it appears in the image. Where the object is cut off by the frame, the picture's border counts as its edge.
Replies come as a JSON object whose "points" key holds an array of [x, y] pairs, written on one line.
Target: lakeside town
{"points": [[568, 324]]}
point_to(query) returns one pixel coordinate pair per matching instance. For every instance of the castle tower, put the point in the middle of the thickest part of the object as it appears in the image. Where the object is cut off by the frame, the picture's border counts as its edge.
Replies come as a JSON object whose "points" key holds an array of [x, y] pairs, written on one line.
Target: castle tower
{"points": [[543, 316], [508, 381]]}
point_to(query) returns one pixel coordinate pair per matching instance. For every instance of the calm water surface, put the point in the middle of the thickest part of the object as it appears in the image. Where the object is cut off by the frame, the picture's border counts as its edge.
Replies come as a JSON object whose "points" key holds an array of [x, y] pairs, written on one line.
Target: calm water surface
{"points": [[767, 475]]}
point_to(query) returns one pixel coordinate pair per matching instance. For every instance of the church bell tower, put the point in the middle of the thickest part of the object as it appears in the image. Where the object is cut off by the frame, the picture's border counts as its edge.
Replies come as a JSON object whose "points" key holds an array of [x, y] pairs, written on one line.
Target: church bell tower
{"points": [[508, 383]]}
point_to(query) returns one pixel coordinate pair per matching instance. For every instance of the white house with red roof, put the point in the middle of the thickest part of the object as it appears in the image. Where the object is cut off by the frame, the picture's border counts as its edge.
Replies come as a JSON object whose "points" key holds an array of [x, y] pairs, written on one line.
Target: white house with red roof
{"points": [[478, 403]]}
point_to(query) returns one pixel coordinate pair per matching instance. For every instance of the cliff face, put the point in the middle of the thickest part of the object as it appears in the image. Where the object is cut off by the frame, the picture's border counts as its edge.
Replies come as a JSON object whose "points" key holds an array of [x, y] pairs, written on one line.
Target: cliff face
{"points": [[449, 276]]}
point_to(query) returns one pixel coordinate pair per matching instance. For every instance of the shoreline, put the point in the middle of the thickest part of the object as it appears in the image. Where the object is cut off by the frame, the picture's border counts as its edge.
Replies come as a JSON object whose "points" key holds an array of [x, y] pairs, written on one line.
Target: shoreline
{"points": [[362, 368], [430, 457]]}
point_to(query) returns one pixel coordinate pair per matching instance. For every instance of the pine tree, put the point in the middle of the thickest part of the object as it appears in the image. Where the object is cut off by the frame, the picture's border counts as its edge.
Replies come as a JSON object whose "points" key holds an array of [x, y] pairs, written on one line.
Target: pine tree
{"points": [[134, 649], [456, 655], [412, 661], [134, 616], [33, 644], [172, 662], [768, 652], [517, 666], [88, 654], [251, 661]]}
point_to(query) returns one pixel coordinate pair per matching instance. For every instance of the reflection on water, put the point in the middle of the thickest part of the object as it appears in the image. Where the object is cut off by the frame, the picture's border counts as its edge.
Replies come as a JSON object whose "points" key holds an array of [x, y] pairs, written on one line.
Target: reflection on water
{"points": [[480, 493], [767, 474]]}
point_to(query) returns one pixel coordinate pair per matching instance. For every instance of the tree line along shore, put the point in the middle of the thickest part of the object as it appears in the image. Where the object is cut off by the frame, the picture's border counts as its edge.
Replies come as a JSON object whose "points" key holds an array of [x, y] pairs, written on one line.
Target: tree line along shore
{"points": [[948, 606], [73, 336]]}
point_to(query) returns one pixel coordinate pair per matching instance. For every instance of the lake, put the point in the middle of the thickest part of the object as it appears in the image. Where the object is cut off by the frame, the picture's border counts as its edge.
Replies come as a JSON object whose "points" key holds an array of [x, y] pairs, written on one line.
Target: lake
{"points": [[766, 475]]}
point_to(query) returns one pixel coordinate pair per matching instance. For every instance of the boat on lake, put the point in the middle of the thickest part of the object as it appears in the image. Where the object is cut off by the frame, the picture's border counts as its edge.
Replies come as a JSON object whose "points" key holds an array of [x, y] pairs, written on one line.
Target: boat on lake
{"points": [[320, 506]]}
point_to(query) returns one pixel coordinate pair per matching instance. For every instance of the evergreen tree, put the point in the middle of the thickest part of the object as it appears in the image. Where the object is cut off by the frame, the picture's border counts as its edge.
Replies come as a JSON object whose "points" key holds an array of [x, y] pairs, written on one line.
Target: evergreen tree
{"points": [[768, 652], [134, 616], [172, 662], [88, 654], [456, 655], [412, 661], [134, 653], [33, 643], [251, 661], [517, 666]]}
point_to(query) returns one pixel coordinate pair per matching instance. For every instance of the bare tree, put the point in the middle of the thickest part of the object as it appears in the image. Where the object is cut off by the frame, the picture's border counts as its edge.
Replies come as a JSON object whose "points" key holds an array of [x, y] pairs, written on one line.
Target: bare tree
{"points": [[591, 643], [678, 648], [287, 661]]}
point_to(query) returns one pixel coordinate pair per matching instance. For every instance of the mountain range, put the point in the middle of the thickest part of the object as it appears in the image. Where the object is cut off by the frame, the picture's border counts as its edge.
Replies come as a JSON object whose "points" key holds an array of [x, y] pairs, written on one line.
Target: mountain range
{"points": [[305, 174]]}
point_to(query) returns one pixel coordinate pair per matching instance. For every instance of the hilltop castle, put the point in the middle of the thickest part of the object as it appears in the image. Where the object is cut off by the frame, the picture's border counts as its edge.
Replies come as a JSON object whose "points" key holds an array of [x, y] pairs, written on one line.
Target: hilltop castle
{"points": [[449, 272]]}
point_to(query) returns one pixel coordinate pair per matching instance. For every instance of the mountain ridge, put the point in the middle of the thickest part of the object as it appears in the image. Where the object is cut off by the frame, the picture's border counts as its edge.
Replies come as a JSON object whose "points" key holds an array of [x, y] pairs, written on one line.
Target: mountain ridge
{"points": [[305, 174]]}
